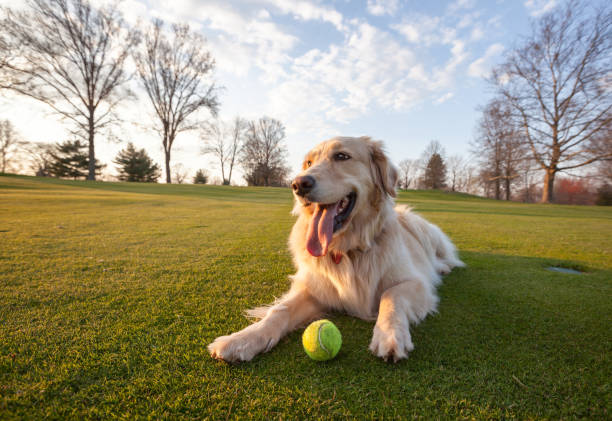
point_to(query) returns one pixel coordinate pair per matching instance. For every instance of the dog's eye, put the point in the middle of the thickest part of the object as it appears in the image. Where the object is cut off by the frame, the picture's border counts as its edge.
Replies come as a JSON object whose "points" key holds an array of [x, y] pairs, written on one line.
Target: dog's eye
{"points": [[308, 164], [340, 156]]}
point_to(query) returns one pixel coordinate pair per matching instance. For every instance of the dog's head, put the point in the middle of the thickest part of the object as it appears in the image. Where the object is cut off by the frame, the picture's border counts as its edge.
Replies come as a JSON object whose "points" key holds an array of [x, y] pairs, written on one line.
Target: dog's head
{"points": [[343, 180]]}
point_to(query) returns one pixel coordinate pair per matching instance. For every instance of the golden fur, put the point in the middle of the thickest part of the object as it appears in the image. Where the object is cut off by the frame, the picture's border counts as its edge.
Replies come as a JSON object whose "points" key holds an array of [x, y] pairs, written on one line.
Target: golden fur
{"points": [[391, 258]]}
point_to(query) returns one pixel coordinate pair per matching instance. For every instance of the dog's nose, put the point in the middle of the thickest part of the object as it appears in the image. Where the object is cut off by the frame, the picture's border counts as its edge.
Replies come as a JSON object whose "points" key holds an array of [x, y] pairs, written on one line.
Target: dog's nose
{"points": [[303, 185]]}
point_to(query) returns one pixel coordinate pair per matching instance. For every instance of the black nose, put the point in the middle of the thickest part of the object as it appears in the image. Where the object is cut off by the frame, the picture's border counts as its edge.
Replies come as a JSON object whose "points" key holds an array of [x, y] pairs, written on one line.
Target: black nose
{"points": [[303, 185]]}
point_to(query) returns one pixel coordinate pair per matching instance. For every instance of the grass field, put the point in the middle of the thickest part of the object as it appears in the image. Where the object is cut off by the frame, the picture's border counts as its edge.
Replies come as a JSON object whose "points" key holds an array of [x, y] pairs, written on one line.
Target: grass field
{"points": [[110, 292]]}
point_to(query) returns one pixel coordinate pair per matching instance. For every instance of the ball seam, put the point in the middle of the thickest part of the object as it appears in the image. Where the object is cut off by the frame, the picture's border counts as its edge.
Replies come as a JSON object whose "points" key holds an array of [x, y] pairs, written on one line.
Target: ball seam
{"points": [[320, 341]]}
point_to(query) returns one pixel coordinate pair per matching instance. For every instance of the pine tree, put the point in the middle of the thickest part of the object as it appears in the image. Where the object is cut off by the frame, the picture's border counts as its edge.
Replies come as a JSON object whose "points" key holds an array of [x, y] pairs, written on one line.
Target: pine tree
{"points": [[201, 177], [435, 172], [136, 165], [70, 159]]}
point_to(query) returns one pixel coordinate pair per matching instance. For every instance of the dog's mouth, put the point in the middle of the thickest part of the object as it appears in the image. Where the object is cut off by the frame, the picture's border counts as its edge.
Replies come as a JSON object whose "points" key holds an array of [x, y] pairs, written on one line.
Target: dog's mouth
{"points": [[325, 221]]}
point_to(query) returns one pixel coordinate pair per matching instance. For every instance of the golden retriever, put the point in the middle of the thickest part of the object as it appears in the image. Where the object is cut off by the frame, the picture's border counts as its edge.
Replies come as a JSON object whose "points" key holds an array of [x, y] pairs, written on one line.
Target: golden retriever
{"points": [[354, 252]]}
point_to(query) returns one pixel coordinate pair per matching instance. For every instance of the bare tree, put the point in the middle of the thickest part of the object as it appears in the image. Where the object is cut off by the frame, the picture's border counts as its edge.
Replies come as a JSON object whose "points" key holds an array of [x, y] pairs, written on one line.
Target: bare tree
{"points": [[601, 144], [224, 142], [470, 179], [237, 133], [264, 152], [180, 173], [213, 134], [41, 158], [498, 147], [5, 56], [433, 147], [9, 143], [455, 165], [70, 57], [175, 72], [407, 168], [558, 87]]}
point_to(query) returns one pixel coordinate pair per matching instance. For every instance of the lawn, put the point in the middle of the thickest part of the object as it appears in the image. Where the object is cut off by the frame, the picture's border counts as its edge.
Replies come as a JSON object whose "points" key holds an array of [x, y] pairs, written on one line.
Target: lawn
{"points": [[110, 292]]}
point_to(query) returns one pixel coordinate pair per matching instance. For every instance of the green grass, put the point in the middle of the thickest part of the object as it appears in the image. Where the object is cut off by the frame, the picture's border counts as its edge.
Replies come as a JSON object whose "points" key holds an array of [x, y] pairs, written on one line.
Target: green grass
{"points": [[110, 292]]}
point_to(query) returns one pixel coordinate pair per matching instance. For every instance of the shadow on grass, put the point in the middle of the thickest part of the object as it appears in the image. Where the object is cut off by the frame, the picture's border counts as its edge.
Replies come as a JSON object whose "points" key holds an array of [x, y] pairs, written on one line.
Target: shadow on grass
{"points": [[510, 339]]}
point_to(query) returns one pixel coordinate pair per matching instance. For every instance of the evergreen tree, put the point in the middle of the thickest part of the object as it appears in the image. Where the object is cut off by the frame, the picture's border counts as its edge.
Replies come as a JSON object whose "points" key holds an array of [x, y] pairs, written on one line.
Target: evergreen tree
{"points": [[136, 165], [201, 177], [71, 159], [435, 172]]}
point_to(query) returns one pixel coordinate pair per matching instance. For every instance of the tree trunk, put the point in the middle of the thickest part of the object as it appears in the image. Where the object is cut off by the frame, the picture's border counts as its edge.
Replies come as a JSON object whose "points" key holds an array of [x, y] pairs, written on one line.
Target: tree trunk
{"points": [[549, 184], [168, 175], [507, 188], [92, 154], [497, 189]]}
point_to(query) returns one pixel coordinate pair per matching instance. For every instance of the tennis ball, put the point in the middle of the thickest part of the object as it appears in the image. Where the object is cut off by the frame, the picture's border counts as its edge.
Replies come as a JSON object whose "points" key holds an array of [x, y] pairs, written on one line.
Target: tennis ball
{"points": [[322, 340]]}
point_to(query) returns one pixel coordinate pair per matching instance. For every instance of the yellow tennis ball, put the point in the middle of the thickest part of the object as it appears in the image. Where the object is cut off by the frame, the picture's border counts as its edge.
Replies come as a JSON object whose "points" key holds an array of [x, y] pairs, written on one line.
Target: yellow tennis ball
{"points": [[322, 340]]}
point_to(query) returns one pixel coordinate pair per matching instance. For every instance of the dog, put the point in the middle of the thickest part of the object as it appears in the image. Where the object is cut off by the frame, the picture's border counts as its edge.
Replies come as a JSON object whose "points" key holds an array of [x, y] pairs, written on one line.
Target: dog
{"points": [[354, 252]]}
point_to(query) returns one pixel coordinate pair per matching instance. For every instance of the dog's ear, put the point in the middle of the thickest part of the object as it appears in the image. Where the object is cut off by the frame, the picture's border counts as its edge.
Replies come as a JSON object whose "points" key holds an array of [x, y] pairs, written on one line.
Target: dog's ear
{"points": [[384, 173]]}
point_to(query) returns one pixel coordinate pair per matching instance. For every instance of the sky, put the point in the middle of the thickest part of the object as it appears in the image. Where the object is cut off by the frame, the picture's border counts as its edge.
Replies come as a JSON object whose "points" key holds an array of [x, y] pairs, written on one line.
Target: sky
{"points": [[401, 71]]}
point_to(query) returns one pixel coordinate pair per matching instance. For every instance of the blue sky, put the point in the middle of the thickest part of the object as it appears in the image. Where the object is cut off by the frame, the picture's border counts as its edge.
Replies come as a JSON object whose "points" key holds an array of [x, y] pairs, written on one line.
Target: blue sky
{"points": [[405, 72]]}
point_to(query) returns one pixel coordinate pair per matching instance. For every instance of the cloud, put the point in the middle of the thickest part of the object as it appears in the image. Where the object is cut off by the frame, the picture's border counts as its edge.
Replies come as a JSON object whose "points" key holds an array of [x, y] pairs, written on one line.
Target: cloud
{"points": [[239, 38], [539, 7], [458, 5], [444, 98], [477, 34], [369, 70], [309, 11], [482, 66], [382, 7], [336, 85], [424, 29]]}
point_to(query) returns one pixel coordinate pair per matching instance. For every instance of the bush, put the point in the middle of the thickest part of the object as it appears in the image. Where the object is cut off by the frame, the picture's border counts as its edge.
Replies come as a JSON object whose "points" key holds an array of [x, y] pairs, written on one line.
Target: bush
{"points": [[201, 177]]}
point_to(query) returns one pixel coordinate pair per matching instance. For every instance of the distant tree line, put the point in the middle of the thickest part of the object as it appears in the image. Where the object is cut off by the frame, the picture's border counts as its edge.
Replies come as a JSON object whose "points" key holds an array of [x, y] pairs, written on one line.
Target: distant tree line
{"points": [[72, 56], [551, 112], [258, 146]]}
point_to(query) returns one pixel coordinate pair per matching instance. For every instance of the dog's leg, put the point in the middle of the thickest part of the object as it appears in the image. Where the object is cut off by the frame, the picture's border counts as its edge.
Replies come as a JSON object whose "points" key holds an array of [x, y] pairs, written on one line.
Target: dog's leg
{"points": [[407, 302], [292, 310]]}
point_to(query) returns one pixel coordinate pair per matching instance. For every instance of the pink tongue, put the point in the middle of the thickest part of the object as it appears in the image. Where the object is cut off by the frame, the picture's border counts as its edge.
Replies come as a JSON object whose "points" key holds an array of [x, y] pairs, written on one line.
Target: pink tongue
{"points": [[321, 229]]}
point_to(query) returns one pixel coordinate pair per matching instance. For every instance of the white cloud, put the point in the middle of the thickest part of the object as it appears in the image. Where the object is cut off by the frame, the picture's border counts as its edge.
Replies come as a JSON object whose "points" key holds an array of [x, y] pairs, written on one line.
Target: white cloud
{"points": [[263, 14], [382, 7], [468, 19], [239, 38], [539, 7], [482, 66], [458, 5], [477, 34], [306, 10], [444, 76], [369, 69], [424, 29], [444, 98]]}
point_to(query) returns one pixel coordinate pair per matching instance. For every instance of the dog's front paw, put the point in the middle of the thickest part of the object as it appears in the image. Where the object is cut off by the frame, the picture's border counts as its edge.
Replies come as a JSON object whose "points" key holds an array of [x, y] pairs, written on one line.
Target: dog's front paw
{"points": [[393, 343], [240, 346]]}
